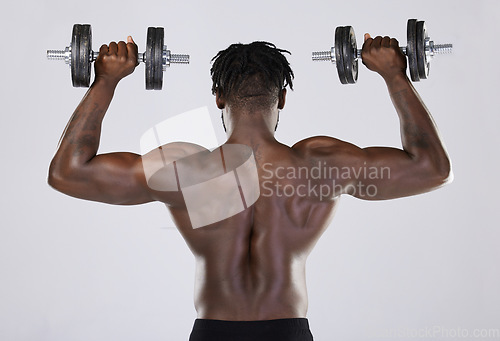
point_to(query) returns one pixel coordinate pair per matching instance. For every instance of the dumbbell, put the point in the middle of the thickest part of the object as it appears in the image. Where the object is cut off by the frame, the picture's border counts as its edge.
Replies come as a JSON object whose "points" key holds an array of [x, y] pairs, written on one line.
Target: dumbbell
{"points": [[79, 56], [420, 49]]}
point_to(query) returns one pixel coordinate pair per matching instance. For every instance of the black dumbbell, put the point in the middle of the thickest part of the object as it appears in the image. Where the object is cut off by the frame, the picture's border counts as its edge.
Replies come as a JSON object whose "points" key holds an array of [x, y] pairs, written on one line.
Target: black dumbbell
{"points": [[420, 49], [79, 56]]}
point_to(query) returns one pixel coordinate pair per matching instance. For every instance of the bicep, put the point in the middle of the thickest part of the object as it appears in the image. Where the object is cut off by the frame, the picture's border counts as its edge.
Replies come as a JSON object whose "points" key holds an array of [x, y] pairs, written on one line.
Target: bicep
{"points": [[114, 178], [373, 173], [379, 173]]}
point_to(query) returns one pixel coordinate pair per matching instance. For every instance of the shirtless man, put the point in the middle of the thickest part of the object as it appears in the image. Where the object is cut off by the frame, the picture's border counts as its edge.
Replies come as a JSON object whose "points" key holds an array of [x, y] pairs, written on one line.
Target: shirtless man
{"points": [[250, 267]]}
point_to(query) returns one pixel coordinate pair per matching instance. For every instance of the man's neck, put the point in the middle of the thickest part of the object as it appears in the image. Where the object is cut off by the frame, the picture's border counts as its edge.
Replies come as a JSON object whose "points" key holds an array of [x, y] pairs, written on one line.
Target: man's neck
{"points": [[251, 128]]}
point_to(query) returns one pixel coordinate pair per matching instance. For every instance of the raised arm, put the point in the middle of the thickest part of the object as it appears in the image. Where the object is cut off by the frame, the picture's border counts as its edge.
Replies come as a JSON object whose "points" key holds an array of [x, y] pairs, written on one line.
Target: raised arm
{"points": [[377, 173], [76, 170]]}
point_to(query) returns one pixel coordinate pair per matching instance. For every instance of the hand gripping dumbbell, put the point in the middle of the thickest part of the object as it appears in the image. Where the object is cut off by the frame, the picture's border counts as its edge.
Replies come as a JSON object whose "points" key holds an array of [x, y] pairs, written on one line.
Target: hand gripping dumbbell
{"points": [[420, 49], [79, 56]]}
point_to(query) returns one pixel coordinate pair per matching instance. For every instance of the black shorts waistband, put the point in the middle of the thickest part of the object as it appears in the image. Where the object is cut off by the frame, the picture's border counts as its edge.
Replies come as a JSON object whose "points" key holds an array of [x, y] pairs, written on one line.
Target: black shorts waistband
{"points": [[251, 326]]}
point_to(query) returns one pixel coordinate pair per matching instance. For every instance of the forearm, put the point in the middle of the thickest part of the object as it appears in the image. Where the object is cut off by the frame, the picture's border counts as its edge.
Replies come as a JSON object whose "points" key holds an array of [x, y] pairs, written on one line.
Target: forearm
{"points": [[80, 140], [419, 133]]}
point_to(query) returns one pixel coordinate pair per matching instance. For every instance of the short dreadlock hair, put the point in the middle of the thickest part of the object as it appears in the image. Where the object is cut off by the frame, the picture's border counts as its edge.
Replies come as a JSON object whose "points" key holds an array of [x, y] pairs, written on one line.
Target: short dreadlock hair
{"points": [[243, 71]]}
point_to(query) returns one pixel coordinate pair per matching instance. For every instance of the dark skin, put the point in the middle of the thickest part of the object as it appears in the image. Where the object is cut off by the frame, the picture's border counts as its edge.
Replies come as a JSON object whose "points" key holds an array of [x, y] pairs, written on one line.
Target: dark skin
{"points": [[251, 266]]}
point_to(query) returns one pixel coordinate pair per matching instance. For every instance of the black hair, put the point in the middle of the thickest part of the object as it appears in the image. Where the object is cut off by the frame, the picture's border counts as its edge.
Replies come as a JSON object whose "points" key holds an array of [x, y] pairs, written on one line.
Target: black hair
{"points": [[243, 71]]}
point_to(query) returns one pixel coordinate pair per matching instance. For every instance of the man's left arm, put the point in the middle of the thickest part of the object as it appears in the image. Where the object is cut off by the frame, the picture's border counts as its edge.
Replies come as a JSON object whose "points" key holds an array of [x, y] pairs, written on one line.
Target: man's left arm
{"points": [[76, 169]]}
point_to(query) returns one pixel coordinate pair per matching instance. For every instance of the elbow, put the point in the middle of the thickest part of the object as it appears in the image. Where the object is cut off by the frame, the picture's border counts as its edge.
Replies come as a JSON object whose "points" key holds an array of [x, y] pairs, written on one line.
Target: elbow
{"points": [[54, 181], [443, 177], [54, 178], [445, 171], [440, 173], [58, 176], [447, 177]]}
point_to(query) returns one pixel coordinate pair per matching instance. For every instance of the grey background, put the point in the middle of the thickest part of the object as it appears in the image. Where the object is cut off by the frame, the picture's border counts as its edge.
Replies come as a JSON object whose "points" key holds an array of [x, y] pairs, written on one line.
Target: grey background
{"points": [[78, 270]]}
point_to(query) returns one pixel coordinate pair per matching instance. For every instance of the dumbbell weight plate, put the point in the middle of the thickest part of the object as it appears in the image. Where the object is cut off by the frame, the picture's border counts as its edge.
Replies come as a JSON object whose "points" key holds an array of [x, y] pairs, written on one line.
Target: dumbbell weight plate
{"points": [[81, 49], [422, 62], [150, 71], [411, 49], [339, 54], [350, 55], [159, 58], [154, 58]]}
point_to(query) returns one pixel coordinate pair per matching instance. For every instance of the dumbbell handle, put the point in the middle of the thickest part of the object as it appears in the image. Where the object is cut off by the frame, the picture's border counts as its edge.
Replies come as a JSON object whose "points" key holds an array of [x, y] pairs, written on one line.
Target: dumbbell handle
{"points": [[168, 58], [430, 48]]}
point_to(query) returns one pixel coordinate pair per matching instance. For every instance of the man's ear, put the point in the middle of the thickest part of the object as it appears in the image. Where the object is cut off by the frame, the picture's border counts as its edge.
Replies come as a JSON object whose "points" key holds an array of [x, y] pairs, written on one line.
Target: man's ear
{"points": [[282, 99], [219, 100]]}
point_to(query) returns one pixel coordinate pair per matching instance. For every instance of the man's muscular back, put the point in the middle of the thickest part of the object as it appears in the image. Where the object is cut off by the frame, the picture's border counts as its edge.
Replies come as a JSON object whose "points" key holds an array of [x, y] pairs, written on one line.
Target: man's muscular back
{"points": [[251, 266]]}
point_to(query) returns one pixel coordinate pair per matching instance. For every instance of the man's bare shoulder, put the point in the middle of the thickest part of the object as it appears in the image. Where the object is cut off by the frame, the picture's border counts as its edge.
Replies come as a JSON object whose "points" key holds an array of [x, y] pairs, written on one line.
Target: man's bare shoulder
{"points": [[317, 146], [177, 150], [160, 165]]}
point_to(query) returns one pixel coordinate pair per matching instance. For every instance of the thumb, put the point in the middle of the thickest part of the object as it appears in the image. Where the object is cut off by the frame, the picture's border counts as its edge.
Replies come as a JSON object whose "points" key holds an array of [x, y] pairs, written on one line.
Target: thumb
{"points": [[367, 36], [130, 40]]}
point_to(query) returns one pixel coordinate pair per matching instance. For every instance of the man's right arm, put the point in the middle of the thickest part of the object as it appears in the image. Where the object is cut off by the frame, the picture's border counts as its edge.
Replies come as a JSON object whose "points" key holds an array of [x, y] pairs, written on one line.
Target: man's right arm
{"points": [[419, 134]]}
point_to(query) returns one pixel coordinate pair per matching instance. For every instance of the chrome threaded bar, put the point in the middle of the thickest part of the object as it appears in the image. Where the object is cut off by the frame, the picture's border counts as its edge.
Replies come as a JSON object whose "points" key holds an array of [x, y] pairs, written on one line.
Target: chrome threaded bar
{"points": [[169, 58], [323, 55], [443, 48], [60, 55], [179, 58], [56, 54]]}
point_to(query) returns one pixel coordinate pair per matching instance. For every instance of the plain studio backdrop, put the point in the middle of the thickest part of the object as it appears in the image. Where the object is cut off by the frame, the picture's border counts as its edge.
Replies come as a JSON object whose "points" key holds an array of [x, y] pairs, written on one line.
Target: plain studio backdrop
{"points": [[424, 267]]}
